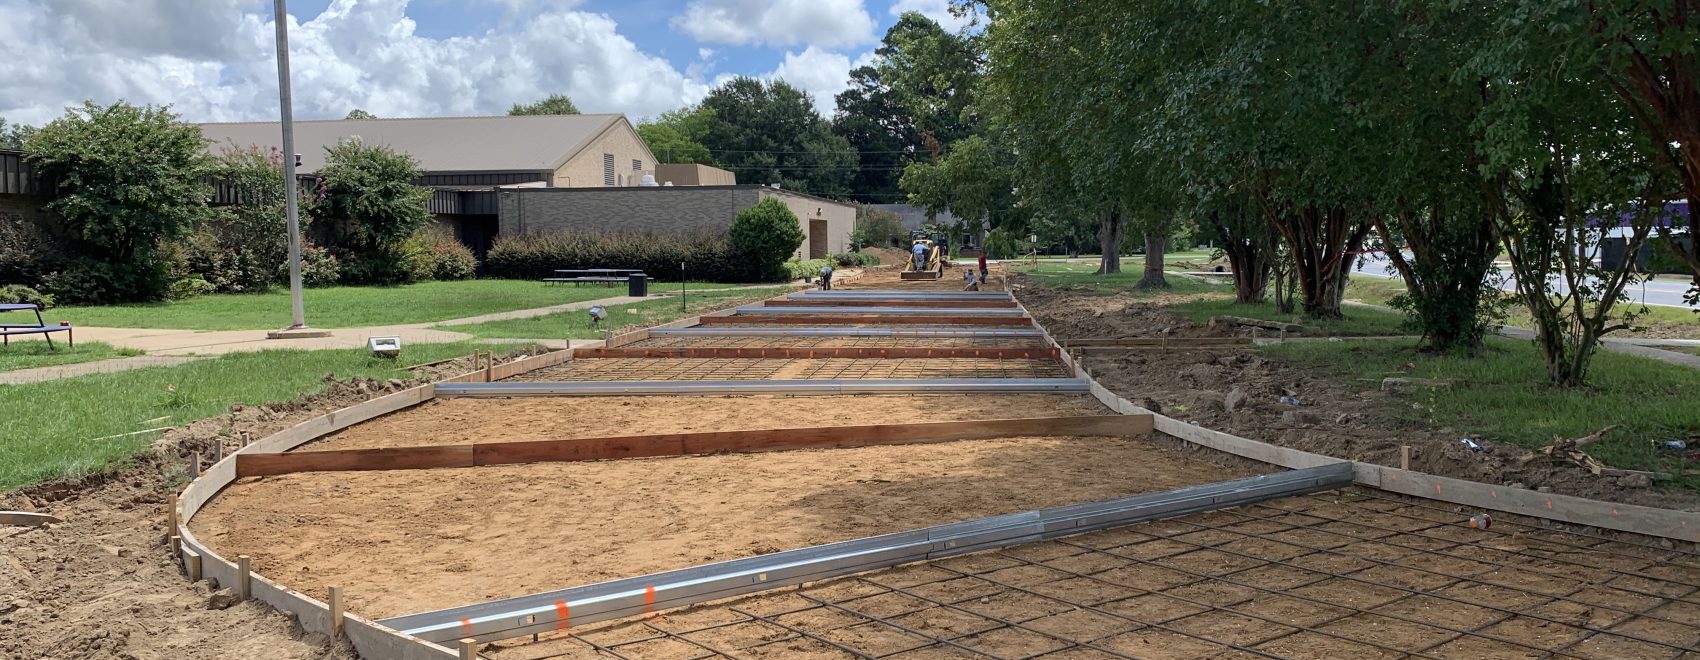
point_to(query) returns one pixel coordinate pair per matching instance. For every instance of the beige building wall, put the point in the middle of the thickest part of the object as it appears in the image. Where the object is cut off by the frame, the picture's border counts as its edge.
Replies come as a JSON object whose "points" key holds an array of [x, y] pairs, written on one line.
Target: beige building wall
{"points": [[840, 220], [585, 170], [686, 174]]}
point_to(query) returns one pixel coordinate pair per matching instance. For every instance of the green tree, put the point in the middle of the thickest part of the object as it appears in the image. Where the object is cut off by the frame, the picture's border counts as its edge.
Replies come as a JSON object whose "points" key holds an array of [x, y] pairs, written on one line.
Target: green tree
{"points": [[554, 104], [357, 113], [769, 133], [882, 133], [365, 209], [128, 181], [767, 234], [676, 136], [879, 228], [13, 136], [244, 246], [974, 182]]}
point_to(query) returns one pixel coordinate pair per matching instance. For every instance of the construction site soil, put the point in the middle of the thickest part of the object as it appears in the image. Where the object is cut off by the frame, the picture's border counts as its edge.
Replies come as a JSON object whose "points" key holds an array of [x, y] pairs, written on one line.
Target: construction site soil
{"points": [[102, 583], [415, 540], [1239, 391]]}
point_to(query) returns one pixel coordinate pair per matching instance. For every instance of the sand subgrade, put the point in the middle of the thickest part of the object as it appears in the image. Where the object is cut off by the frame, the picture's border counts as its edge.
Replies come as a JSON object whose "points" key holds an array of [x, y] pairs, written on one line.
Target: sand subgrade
{"points": [[615, 369], [409, 541], [453, 421]]}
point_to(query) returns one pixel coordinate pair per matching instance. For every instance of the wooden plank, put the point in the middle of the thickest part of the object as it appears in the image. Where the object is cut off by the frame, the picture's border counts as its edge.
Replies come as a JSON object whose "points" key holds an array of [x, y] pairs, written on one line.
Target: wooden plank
{"points": [[677, 444], [577, 449], [822, 353], [1260, 323], [26, 518], [996, 321], [1158, 341], [388, 458], [1667, 523], [888, 302]]}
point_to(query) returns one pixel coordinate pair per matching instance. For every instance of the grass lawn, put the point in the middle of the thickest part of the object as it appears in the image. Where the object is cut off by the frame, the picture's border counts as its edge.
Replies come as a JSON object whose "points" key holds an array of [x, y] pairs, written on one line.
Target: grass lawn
{"points": [[1501, 395], [1358, 321], [1064, 275], [576, 325], [345, 306], [30, 353], [50, 436]]}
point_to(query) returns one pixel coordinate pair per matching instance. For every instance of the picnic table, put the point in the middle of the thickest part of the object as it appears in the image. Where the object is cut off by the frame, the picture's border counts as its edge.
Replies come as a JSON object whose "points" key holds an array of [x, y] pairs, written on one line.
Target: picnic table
{"points": [[40, 327], [582, 275]]}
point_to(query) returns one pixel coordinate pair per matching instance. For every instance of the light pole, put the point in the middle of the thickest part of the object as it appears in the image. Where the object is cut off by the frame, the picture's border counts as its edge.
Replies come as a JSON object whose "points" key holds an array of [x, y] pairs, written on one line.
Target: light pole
{"points": [[298, 310]]}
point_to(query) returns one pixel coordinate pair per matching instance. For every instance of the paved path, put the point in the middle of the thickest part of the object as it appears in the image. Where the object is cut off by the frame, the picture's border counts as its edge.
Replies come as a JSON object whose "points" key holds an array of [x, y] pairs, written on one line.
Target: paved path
{"points": [[39, 374]]}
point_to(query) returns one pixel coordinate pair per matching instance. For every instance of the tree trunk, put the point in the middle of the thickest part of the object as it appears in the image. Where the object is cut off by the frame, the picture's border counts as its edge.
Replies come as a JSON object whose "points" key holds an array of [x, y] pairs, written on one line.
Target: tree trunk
{"points": [[1154, 249], [1250, 257], [1110, 241], [1319, 240]]}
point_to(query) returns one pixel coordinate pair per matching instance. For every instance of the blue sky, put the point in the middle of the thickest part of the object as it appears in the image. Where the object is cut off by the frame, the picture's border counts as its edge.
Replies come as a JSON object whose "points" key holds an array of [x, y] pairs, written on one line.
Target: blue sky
{"points": [[212, 59]]}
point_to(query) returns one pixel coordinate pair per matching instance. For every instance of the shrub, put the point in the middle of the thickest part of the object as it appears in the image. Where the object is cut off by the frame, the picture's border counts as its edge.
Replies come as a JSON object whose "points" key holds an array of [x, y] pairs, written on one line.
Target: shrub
{"points": [[878, 228], [19, 294], [366, 209], [239, 248], [767, 234], [128, 180], [318, 267], [707, 256], [446, 256], [1003, 244], [805, 269], [856, 259], [24, 251], [190, 287]]}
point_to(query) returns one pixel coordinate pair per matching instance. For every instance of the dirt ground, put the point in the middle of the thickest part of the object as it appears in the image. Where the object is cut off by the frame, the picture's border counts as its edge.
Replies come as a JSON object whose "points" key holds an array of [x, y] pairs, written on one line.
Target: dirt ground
{"points": [[891, 278], [408, 541], [1337, 419], [450, 421]]}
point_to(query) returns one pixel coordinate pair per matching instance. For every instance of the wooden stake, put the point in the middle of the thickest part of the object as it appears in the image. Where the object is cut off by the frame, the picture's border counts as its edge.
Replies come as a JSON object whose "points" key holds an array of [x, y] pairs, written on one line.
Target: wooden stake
{"points": [[468, 649], [244, 577], [1404, 457], [218, 450], [194, 565], [336, 613], [246, 438], [176, 545], [194, 465], [171, 514]]}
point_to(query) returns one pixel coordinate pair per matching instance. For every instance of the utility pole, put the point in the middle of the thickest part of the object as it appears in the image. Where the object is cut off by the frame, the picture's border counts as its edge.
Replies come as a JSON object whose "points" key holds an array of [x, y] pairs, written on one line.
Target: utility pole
{"points": [[298, 310]]}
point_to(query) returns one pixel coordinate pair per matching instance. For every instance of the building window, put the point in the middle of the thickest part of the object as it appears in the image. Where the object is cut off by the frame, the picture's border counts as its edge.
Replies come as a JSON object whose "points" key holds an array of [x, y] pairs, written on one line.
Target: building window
{"points": [[637, 165], [608, 170]]}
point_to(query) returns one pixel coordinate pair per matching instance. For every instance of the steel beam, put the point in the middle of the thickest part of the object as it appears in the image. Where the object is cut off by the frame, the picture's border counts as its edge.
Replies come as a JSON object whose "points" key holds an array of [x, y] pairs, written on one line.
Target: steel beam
{"points": [[555, 610], [786, 387], [763, 310], [845, 332]]}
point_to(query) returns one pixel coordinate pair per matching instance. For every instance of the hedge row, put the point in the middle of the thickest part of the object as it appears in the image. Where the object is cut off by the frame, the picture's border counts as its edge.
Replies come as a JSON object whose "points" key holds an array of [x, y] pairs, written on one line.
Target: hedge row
{"points": [[707, 256]]}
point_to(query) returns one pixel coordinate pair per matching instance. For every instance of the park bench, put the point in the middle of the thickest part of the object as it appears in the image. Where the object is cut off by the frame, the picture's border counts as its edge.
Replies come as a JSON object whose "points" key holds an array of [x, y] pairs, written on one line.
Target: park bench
{"points": [[592, 275], [40, 327]]}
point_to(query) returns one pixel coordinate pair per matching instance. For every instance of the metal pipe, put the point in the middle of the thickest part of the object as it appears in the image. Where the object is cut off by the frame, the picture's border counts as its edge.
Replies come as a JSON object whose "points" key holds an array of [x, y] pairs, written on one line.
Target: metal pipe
{"points": [[297, 308], [514, 617], [786, 387]]}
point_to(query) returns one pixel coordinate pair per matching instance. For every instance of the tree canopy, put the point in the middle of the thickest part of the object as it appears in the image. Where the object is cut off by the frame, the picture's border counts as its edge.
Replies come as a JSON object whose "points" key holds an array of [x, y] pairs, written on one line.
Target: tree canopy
{"points": [[676, 136], [357, 113], [769, 133], [554, 104]]}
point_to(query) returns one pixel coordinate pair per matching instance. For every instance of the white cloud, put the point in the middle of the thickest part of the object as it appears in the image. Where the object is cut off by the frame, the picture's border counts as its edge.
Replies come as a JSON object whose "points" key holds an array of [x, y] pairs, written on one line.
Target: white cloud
{"points": [[822, 23], [938, 10], [217, 64], [821, 73]]}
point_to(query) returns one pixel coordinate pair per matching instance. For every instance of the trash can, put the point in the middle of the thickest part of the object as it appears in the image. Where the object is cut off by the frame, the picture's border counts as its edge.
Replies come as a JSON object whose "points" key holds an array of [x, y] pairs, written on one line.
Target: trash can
{"points": [[637, 285]]}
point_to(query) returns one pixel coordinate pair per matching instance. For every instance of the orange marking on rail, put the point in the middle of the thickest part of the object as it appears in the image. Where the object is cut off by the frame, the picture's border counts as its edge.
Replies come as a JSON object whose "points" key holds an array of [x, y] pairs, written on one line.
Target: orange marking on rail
{"points": [[1493, 493], [563, 615], [466, 626], [1614, 512], [1549, 504], [649, 599], [1437, 489]]}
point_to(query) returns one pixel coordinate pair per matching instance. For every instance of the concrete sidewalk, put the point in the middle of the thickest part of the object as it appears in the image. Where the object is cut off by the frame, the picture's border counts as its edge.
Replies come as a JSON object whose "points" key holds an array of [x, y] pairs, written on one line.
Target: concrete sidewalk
{"points": [[39, 374]]}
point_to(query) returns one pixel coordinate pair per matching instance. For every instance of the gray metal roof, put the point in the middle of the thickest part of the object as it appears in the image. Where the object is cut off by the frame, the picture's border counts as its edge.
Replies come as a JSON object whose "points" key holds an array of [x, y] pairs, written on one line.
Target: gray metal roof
{"points": [[441, 144]]}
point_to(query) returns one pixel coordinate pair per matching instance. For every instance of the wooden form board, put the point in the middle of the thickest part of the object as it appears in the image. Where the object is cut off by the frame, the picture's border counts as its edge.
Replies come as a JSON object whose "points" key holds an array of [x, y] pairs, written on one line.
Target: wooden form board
{"points": [[887, 302], [819, 353], [1650, 521], [681, 444], [1158, 342], [996, 321]]}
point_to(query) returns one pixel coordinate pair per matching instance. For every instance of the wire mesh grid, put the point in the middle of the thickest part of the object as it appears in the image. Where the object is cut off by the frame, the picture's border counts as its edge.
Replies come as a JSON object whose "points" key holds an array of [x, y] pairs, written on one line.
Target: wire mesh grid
{"points": [[838, 342], [1335, 575], [616, 369]]}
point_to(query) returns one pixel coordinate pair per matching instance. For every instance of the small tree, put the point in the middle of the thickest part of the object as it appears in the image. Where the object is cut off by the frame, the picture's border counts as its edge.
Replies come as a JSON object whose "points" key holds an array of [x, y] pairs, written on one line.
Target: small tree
{"points": [[366, 208], [767, 234], [243, 247], [127, 180], [880, 228], [358, 113]]}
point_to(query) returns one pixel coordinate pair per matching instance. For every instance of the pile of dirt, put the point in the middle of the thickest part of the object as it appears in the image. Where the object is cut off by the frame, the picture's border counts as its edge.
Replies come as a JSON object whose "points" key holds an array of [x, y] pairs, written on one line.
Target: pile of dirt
{"points": [[888, 256], [1240, 392], [102, 584]]}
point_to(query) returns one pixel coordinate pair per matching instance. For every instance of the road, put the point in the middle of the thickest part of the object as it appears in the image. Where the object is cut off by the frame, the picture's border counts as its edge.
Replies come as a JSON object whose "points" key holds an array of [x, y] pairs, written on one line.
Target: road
{"points": [[1663, 293]]}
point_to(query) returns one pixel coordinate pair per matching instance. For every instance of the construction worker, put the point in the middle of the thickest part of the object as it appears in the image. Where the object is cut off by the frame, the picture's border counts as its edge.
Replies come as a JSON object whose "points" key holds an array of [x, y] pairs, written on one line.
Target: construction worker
{"points": [[983, 266], [920, 250], [968, 277], [826, 276]]}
